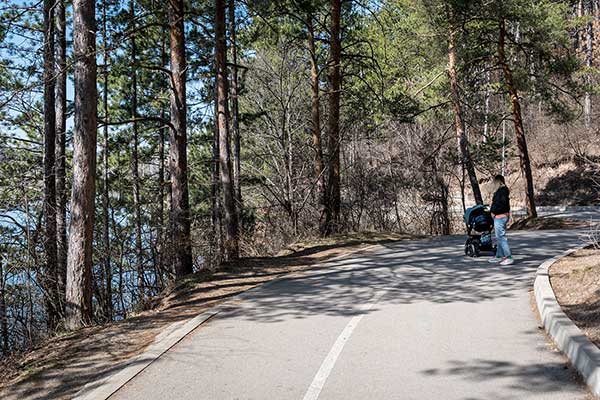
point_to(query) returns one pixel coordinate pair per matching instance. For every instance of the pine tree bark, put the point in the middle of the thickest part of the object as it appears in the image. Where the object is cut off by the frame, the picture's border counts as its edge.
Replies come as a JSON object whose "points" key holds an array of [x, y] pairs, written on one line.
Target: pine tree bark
{"points": [[50, 238], [81, 228], [231, 218], [214, 189], [61, 128], [589, 58], [107, 305], [316, 124], [235, 112], [180, 202], [135, 160], [518, 121], [332, 213], [459, 123], [3, 314], [163, 133]]}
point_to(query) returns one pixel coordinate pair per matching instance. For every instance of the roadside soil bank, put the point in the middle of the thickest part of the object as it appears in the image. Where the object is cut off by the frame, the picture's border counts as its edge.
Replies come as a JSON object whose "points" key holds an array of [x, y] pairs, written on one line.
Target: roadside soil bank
{"points": [[575, 280]]}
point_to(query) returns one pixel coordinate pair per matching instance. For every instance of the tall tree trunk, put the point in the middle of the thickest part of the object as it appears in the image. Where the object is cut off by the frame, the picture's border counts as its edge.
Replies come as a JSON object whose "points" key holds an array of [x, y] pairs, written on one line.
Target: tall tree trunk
{"points": [[463, 144], [316, 124], [51, 272], [180, 202], [81, 228], [231, 218], [3, 314], [486, 116], [61, 128], [214, 189], [589, 58], [518, 121], [235, 113], [160, 233], [135, 161], [332, 214], [107, 306], [577, 12]]}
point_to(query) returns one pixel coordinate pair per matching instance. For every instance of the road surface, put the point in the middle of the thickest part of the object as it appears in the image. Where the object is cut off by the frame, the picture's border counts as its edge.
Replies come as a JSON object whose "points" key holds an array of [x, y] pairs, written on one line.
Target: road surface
{"points": [[408, 320]]}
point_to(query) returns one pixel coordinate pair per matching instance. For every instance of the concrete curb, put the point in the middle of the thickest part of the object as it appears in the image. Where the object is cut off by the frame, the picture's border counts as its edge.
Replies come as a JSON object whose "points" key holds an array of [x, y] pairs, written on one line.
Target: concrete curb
{"points": [[582, 353], [109, 385]]}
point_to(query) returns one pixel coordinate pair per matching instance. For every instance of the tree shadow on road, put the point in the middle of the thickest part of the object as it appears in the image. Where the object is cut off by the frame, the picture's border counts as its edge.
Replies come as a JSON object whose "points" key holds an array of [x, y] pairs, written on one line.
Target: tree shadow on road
{"points": [[521, 380], [409, 272]]}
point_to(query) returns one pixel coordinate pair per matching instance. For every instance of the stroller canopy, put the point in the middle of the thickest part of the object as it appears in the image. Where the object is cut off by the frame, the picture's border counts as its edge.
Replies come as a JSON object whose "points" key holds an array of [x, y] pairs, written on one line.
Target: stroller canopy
{"points": [[473, 212]]}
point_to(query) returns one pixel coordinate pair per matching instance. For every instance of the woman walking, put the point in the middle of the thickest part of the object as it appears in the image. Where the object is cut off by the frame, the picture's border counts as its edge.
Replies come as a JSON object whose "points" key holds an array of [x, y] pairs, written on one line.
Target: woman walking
{"points": [[501, 213]]}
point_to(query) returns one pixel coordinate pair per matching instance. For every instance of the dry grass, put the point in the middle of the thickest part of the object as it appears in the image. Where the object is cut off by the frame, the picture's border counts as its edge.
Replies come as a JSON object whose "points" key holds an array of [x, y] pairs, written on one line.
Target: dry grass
{"points": [[60, 367], [576, 282], [538, 224]]}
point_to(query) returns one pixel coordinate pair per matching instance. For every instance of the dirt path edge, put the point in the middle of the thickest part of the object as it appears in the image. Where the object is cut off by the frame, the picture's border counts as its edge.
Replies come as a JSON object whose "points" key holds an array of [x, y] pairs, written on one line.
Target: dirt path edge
{"points": [[581, 352]]}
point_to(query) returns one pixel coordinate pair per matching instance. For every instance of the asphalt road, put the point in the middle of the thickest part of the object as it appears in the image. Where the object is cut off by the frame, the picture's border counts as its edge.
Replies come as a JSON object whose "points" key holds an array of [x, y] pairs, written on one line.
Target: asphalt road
{"points": [[408, 320]]}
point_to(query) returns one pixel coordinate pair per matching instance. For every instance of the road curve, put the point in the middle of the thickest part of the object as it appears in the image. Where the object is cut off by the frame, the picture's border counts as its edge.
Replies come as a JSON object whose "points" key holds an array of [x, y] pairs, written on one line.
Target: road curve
{"points": [[409, 320]]}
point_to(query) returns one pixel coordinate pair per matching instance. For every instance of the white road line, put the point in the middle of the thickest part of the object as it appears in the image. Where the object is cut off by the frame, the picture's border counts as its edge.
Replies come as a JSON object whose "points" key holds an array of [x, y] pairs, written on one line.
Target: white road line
{"points": [[320, 378]]}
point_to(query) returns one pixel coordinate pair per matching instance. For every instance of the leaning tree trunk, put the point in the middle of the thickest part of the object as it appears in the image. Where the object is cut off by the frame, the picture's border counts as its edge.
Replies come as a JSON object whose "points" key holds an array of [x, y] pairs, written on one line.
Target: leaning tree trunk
{"points": [[61, 128], [316, 124], [459, 123], [235, 113], [231, 218], [50, 238], [81, 228], [332, 213], [518, 121], [180, 202]]}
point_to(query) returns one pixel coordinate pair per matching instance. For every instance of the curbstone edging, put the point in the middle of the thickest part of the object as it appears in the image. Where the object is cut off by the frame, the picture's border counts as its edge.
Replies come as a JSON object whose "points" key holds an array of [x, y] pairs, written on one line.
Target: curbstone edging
{"points": [[581, 352], [104, 388]]}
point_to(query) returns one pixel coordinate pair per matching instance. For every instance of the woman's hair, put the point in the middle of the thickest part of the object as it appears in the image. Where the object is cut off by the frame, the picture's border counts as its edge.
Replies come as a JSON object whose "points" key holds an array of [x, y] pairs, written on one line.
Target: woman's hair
{"points": [[499, 181]]}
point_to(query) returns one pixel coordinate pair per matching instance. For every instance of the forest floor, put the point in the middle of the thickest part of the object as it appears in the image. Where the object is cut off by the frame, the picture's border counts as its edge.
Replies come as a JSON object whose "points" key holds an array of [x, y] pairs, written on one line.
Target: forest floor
{"points": [[548, 223], [576, 282], [60, 367]]}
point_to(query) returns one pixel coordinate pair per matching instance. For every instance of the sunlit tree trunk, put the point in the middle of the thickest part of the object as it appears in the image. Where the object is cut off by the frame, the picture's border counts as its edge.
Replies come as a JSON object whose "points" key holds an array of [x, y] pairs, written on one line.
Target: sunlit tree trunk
{"points": [[61, 128], [135, 159], [235, 113], [214, 189], [107, 306], [518, 121], [50, 238], [332, 214], [231, 218], [81, 228], [3, 314], [589, 59], [316, 123], [459, 123], [180, 202], [160, 231]]}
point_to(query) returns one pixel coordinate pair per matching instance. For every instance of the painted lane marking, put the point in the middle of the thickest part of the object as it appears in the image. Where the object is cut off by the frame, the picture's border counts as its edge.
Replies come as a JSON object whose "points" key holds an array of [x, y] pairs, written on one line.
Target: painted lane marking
{"points": [[320, 378]]}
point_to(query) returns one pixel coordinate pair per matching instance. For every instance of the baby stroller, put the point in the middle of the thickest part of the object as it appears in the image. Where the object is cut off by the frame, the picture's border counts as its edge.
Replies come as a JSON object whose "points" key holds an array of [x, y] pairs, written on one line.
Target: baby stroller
{"points": [[480, 224]]}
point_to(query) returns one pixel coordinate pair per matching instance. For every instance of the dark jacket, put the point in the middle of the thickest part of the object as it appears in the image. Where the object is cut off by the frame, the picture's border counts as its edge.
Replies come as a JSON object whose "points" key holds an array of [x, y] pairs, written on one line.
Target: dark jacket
{"points": [[501, 201]]}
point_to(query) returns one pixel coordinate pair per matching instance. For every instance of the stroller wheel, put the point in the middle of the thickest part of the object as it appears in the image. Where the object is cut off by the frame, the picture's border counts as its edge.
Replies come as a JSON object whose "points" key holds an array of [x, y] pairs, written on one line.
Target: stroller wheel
{"points": [[470, 249]]}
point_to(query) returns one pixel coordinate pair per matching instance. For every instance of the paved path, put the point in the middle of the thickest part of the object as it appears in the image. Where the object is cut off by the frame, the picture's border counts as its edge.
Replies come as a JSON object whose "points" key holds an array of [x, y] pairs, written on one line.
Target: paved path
{"points": [[411, 320]]}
